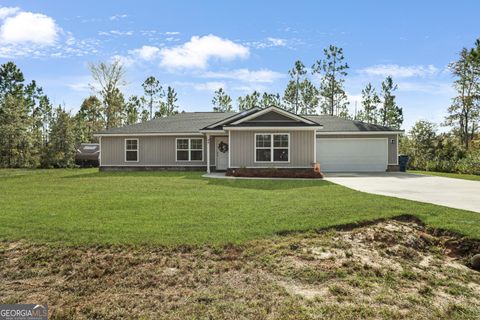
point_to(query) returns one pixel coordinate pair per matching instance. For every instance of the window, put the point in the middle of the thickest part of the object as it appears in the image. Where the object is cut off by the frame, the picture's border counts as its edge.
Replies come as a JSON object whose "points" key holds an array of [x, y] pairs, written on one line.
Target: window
{"points": [[189, 149], [182, 149], [131, 150], [272, 147]]}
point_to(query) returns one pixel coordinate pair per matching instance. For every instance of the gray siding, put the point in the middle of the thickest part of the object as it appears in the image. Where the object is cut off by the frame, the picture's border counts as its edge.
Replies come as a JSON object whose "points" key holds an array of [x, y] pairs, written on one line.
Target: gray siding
{"points": [[212, 149], [242, 149], [272, 116], [392, 148], [153, 151]]}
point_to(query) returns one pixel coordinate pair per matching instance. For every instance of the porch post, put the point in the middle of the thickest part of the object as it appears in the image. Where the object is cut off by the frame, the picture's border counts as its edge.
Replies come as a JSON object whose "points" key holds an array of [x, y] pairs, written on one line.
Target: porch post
{"points": [[208, 153], [229, 147]]}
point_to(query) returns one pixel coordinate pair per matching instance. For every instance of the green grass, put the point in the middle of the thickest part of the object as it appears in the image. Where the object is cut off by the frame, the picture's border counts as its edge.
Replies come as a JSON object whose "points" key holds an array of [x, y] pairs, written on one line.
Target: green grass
{"points": [[472, 177], [84, 206]]}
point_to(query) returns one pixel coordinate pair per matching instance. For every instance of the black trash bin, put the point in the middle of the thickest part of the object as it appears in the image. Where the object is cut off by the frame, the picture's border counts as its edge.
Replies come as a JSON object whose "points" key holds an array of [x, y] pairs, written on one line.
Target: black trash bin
{"points": [[402, 162]]}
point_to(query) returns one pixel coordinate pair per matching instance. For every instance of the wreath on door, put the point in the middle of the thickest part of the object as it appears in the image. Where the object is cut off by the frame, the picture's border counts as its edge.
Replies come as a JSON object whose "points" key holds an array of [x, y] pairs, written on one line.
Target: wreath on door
{"points": [[222, 147]]}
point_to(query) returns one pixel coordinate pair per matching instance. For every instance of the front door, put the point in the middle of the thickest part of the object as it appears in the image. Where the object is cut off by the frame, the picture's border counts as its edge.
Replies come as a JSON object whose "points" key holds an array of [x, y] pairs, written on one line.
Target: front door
{"points": [[221, 153]]}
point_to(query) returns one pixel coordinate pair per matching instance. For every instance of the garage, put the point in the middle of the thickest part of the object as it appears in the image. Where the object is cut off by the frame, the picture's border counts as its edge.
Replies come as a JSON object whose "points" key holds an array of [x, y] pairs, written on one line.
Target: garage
{"points": [[352, 154]]}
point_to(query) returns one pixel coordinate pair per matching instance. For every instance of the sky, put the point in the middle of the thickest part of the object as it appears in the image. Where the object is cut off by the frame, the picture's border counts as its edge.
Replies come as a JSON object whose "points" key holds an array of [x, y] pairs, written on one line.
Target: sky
{"points": [[198, 46]]}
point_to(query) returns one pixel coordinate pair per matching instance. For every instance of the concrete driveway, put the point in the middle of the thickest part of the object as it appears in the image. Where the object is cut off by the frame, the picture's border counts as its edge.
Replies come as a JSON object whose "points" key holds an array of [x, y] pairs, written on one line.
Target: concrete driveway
{"points": [[454, 193]]}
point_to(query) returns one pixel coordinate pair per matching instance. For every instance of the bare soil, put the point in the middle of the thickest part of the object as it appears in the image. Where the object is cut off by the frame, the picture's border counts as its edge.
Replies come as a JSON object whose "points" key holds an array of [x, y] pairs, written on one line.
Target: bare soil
{"points": [[390, 269]]}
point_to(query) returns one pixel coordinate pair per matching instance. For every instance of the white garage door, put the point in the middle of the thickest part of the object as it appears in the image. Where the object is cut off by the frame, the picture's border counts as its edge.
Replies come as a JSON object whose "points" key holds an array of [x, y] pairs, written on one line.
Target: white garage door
{"points": [[352, 154]]}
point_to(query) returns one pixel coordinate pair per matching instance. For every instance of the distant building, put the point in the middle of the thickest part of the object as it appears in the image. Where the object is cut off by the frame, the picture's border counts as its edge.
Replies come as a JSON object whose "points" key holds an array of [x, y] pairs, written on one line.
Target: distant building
{"points": [[88, 155]]}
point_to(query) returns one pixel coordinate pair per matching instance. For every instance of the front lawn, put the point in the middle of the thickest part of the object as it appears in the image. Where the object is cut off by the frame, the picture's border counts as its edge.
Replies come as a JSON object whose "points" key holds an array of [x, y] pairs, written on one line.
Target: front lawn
{"points": [[472, 177], [84, 206]]}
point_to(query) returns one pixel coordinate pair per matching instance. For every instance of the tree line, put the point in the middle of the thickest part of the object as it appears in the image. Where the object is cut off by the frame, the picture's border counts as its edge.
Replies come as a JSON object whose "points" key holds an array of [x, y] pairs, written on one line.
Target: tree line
{"points": [[302, 96], [458, 149], [34, 133]]}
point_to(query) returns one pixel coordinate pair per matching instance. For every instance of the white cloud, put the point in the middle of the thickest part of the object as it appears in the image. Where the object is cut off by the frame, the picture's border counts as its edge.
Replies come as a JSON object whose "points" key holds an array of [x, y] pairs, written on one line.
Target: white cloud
{"points": [[172, 33], [277, 42], [80, 86], [29, 27], [354, 97], [145, 53], [202, 86], [209, 86], [270, 42], [115, 33], [118, 16], [398, 71], [246, 75], [197, 52], [430, 87], [248, 89], [29, 34], [8, 11], [124, 60]]}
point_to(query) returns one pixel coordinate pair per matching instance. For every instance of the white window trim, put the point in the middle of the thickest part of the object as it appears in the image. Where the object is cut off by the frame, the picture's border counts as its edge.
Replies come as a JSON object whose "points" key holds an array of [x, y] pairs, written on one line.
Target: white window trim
{"points": [[272, 148], [189, 149], [138, 147]]}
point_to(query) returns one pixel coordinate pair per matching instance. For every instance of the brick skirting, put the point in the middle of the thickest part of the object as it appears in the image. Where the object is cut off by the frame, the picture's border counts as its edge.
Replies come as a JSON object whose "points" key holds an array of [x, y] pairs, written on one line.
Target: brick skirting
{"points": [[274, 172]]}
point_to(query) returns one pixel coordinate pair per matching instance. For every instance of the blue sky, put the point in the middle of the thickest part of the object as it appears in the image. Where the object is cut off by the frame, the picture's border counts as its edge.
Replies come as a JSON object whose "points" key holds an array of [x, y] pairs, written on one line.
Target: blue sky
{"points": [[197, 46]]}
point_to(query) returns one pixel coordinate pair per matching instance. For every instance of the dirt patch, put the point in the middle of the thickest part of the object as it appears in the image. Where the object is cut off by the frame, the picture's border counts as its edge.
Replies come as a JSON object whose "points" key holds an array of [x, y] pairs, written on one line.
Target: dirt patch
{"points": [[390, 269]]}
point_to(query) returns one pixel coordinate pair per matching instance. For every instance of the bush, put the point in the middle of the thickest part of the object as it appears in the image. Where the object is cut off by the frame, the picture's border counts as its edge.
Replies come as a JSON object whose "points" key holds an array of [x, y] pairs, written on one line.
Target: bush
{"points": [[274, 173], [440, 166], [470, 164]]}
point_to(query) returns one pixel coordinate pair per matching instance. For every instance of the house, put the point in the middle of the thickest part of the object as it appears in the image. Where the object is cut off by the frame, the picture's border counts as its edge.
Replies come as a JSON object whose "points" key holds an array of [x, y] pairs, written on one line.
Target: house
{"points": [[87, 155], [255, 138]]}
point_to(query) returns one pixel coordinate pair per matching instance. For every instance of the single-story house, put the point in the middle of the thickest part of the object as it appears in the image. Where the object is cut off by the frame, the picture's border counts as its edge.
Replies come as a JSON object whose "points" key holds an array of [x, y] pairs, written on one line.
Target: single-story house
{"points": [[255, 138]]}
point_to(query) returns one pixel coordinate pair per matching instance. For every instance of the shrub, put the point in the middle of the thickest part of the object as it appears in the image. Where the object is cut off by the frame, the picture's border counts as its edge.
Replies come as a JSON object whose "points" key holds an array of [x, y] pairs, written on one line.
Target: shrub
{"points": [[275, 173], [440, 166], [470, 164]]}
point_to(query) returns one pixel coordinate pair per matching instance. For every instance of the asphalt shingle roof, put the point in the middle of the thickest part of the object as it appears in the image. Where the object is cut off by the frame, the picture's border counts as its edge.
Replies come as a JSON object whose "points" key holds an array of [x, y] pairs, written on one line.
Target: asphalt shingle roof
{"points": [[185, 122], [337, 124], [192, 122]]}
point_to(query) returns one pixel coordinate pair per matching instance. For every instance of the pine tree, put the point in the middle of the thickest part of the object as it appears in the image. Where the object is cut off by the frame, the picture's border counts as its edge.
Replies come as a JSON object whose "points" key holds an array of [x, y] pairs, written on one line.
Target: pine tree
{"points": [[40, 118], [270, 99], [16, 123], [39, 110], [289, 96], [170, 106], [391, 115], [221, 101], [153, 96], [144, 115], [292, 93], [60, 151], [464, 113], [11, 80], [114, 109], [132, 110], [308, 98], [370, 102], [89, 119], [333, 70], [249, 101], [15, 137]]}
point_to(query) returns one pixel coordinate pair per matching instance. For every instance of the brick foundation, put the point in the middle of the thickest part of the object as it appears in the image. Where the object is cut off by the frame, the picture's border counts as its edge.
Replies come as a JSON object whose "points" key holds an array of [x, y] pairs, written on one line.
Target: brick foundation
{"points": [[275, 172], [153, 168]]}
